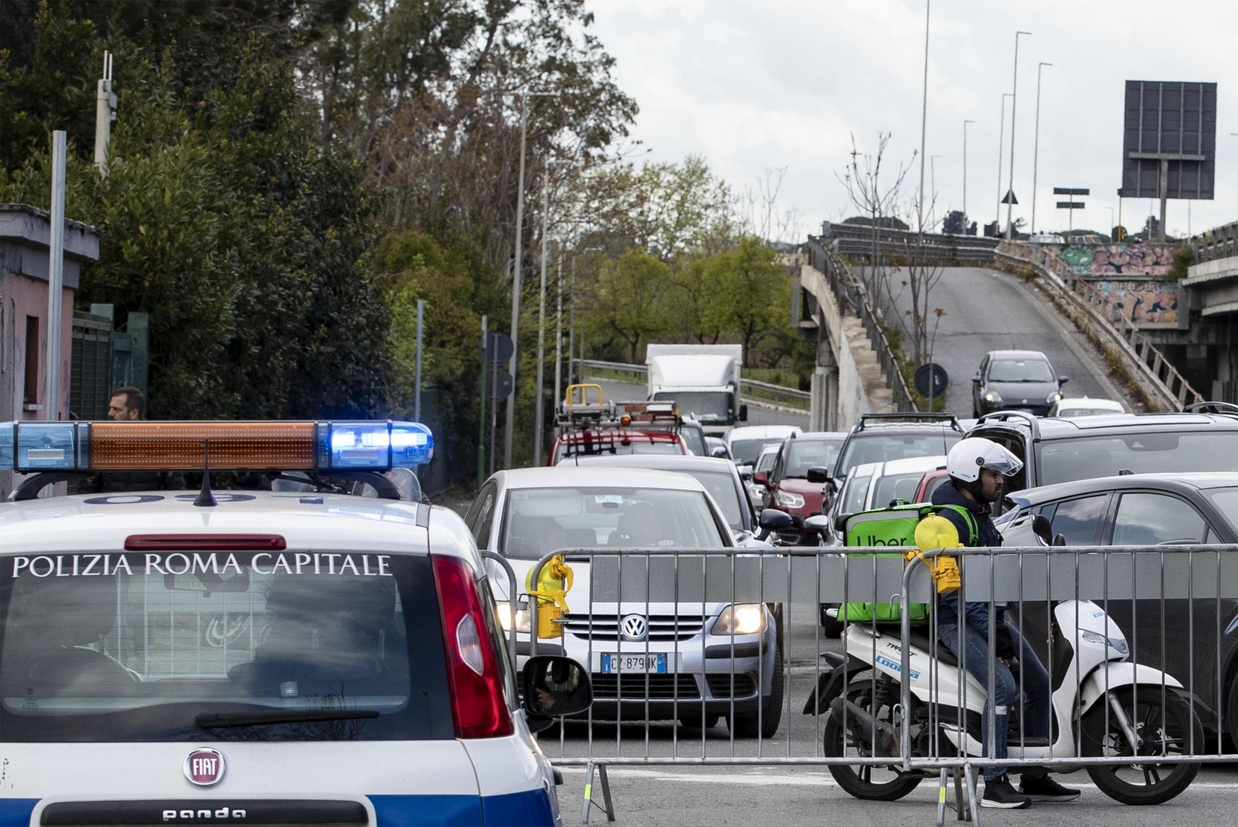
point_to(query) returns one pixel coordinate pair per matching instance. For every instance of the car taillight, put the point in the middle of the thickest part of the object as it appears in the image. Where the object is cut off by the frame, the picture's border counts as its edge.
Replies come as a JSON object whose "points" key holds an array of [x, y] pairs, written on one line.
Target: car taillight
{"points": [[477, 702]]}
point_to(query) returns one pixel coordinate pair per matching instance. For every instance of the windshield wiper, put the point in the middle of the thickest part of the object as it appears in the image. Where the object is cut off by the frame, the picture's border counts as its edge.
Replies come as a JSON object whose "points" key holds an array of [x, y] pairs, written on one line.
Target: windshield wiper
{"points": [[213, 720]]}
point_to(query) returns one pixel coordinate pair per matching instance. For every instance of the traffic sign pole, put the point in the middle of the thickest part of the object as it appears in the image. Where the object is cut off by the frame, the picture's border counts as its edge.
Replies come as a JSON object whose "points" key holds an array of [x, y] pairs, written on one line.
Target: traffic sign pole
{"points": [[481, 418]]}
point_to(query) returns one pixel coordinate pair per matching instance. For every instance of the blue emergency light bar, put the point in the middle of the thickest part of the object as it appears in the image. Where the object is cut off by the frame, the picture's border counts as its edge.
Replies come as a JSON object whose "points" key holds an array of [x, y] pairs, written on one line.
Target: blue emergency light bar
{"points": [[268, 446]]}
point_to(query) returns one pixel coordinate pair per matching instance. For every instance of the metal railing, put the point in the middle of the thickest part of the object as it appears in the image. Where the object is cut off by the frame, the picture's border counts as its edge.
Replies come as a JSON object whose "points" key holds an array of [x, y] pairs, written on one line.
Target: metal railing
{"points": [[1169, 386], [858, 240], [1136, 642], [751, 388], [853, 299], [1218, 243]]}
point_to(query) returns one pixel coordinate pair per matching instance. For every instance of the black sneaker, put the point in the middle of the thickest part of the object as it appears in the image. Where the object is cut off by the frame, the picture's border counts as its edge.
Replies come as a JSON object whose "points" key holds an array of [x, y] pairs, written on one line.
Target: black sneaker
{"points": [[1044, 788], [1000, 794]]}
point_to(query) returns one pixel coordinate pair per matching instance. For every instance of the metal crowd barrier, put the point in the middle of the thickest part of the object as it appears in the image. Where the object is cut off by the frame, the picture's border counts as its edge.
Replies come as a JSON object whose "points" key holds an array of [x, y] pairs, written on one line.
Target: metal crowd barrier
{"points": [[661, 696]]}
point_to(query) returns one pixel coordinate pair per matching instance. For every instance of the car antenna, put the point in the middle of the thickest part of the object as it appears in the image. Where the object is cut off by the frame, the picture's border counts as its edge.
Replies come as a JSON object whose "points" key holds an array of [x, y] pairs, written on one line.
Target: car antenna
{"points": [[205, 498]]}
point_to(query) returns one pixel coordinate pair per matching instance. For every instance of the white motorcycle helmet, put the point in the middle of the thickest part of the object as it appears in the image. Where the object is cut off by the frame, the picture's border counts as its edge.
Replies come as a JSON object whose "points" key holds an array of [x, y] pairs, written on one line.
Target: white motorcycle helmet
{"points": [[968, 456]]}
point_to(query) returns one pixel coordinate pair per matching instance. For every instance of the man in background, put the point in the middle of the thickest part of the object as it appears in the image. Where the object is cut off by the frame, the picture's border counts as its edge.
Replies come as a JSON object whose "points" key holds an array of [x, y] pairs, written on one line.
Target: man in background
{"points": [[129, 404]]}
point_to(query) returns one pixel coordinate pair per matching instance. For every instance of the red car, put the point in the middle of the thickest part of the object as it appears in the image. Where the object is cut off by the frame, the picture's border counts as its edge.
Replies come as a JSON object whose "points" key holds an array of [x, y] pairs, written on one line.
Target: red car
{"points": [[592, 429], [789, 488]]}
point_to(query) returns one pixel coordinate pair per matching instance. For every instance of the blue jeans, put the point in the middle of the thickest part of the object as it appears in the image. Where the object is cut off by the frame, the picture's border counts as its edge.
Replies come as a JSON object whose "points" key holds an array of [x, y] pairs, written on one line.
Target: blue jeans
{"points": [[1036, 689]]}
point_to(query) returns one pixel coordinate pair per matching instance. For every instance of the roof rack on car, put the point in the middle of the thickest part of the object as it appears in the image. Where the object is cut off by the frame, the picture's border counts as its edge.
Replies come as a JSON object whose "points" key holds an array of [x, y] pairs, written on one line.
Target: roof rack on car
{"points": [[913, 416], [1211, 407], [1023, 417], [577, 411]]}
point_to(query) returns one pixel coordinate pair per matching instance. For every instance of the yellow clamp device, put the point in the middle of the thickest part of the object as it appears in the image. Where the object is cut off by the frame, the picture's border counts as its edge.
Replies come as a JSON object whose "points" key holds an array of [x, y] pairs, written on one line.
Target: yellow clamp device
{"points": [[553, 584], [936, 532]]}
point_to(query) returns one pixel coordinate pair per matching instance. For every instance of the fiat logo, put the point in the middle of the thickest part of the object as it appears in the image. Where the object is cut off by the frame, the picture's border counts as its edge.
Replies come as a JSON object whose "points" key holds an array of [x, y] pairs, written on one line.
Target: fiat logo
{"points": [[204, 767], [634, 627]]}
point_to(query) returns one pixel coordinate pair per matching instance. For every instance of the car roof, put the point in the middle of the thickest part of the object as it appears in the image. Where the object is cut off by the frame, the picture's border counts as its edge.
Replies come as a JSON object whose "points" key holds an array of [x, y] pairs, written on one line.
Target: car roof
{"points": [[761, 432], [92, 522], [1181, 482], [584, 476], [1096, 403], [680, 463], [821, 436], [912, 465], [1017, 354], [652, 434], [1054, 428]]}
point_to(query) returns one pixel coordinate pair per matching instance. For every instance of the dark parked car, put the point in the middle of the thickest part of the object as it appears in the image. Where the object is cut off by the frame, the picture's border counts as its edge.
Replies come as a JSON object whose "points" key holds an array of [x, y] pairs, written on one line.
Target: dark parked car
{"points": [[1064, 450], [883, 437], [1015, 380], [1152, 510], [789, 488]]}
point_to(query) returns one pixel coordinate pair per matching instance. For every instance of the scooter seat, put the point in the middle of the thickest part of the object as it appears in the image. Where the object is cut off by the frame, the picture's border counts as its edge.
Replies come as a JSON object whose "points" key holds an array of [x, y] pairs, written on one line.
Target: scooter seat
{"points": [[921, 638]]}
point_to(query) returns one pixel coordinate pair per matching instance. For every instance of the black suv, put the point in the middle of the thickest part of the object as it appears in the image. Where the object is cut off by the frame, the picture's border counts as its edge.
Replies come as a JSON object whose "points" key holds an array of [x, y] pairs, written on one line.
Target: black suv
{"points": [[1015, 380], [1063, 450], [883, 437]]}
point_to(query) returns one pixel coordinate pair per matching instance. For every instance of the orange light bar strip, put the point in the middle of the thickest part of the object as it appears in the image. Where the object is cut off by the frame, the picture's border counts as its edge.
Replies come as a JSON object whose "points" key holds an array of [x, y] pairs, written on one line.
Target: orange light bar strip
{"points": [[180, 445]]}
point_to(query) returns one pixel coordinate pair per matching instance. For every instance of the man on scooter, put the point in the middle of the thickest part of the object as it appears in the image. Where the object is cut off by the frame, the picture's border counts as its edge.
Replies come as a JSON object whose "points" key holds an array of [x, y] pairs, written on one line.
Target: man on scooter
{"points": [[978, 469]]}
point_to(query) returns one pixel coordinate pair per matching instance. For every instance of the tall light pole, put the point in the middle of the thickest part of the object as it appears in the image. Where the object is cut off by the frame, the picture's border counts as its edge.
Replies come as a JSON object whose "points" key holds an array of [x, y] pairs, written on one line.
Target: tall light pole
{"points": [[538, 409], [965, 123], [1233, 134], [509, 418], [923, 118], [1014, 100], [1001, 144], [1036, 144]]}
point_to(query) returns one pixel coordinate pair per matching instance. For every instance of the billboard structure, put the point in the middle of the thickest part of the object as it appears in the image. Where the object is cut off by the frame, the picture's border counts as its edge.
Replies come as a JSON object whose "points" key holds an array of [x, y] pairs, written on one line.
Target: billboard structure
{"points": [[1169, 142]]}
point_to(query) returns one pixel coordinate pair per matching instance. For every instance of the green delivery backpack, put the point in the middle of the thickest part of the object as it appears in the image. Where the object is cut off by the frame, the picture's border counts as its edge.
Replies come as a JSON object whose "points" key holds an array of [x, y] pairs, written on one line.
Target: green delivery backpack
{"points": [[893, 526]]}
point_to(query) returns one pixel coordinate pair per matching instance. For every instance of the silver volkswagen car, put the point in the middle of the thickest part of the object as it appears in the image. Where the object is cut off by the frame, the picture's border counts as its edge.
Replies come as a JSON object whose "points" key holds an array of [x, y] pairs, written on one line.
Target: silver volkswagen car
{"points": [[696, 662]]}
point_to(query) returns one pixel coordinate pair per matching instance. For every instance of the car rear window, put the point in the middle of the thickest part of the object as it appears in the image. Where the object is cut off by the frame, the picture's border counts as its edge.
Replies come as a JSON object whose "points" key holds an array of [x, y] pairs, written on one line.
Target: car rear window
{"points": [[641, 445], [864, 448], [137, 646], [803, 454], [1092, 457]]}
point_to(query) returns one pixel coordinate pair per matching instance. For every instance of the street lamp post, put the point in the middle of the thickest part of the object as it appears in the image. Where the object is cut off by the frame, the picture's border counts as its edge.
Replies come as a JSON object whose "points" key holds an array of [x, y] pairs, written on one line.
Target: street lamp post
{"points": [[923, 119], [1036, 144], [1233, 134], [965, 123], [1001, 145], [1014, 100], [538, 403]]}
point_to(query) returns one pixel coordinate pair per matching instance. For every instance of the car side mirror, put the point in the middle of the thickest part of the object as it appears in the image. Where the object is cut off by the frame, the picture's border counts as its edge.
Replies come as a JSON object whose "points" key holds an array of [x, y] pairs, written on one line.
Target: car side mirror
{"points": [[1043, 529], [743, 413], [761, 478], [1062, 380], [1059, 540], [554, 685], [772, 519], [718, 452], [818, 523], [840, 524], [818, 475], [976, 378]]}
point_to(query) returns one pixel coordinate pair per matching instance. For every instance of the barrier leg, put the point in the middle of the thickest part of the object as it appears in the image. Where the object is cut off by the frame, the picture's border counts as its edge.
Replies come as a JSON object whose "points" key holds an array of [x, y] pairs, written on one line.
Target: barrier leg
{"points": [[606, 806], [942, 785], [960, 799], [973, 808]]}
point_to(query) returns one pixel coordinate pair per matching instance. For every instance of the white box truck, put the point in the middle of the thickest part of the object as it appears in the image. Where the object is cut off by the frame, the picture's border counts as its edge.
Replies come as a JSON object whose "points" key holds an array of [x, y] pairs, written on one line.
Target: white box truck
{"points": [[702, 379]]}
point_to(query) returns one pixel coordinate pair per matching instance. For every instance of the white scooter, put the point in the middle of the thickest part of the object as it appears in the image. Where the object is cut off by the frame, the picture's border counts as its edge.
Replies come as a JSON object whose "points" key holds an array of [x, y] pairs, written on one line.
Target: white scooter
{"points": [[1102, 705]]}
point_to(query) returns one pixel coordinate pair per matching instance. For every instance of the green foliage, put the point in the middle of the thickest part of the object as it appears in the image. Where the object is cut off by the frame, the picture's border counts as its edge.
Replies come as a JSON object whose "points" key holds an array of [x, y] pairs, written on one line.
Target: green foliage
{"points": [[627, 301], [1184, 257]]}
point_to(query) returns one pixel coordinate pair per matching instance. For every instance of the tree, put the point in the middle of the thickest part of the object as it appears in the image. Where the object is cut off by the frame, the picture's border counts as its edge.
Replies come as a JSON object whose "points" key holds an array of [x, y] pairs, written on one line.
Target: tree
{"points": [[955, 223], [625, 301], [753, 285]]}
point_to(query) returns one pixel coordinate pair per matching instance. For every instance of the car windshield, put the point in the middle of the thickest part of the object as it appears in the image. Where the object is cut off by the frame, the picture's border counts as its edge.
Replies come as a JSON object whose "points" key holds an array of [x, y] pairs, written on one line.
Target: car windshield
{"points": [[803, 454], [707, 407], [855, 494], [695, 437], [896, 487], [766, 461], [1086, 458], [746, 451], [541, 520], [137, 647], [1020, 370], [608, 447], [876, 447]]}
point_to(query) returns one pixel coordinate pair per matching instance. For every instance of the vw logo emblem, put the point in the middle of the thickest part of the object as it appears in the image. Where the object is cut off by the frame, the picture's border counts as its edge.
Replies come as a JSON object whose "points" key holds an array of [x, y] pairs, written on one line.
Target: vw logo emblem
{"points": [[204, 767], [634, 627]]}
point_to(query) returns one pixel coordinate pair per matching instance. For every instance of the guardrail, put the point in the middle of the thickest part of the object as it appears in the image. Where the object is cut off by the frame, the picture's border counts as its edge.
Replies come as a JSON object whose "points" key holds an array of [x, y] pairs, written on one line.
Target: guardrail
{"points": [[859, 239], [1169, 386], [778, 394], [1218, 243], [854, 300], [659, 630]]}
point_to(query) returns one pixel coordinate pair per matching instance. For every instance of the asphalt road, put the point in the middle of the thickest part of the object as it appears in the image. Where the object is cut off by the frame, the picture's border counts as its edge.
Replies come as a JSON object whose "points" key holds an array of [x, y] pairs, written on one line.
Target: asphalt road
{"points": [[987, 310], [757, 415], [789, 796]]}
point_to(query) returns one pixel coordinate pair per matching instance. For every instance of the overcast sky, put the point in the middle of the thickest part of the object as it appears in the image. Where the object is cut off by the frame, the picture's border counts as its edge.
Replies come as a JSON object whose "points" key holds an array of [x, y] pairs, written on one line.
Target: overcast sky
{"points": [[757, 84]]}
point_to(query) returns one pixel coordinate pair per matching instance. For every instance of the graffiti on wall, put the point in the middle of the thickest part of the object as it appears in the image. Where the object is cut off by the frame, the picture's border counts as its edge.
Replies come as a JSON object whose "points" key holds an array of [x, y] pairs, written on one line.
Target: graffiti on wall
{"points": [[1119, 259], [1139, 302]]}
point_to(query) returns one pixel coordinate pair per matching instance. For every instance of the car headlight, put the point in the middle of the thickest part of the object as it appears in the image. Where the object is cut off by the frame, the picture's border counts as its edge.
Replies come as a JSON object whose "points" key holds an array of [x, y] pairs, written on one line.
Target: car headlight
{"points": [[788, 500], [503, 609], [740, 619], [993, 398], [1114, 642], [1054, 397]]}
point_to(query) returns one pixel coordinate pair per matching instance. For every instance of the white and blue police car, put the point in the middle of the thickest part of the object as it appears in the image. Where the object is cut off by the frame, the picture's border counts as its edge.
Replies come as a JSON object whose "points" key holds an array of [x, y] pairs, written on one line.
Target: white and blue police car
{"points": [[253, 656]]}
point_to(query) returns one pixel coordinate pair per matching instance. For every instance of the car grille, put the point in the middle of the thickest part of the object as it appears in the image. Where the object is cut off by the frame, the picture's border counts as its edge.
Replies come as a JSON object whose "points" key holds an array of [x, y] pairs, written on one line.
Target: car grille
{"points": [[720, 685], [634, 687], [662, 628]]}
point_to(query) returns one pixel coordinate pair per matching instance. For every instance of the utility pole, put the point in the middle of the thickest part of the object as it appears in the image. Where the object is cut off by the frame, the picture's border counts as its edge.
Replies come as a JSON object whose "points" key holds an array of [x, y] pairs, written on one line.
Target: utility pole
{"points": [[1001, 144], [509, 417], [105, 113], [55, 278], [1014, 101], [923, 122], [485, 391], [538, 402], [1036, 144], [421, 315], [558, 330], [965, 123]]}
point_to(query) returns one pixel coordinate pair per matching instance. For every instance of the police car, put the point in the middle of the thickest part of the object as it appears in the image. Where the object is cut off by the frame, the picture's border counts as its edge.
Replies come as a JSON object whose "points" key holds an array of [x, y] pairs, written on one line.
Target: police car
{"points": [[256, 657]]}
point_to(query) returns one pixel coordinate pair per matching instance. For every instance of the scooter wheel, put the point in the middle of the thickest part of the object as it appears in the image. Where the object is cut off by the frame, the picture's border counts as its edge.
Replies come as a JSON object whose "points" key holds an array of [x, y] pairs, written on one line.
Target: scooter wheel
{"points": [[1165, 723], [865, 781]]}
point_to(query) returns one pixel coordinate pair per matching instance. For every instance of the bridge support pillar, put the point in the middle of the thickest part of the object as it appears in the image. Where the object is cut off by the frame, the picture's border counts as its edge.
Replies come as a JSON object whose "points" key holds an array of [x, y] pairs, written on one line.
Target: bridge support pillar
{"points": [[823, 413]]}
